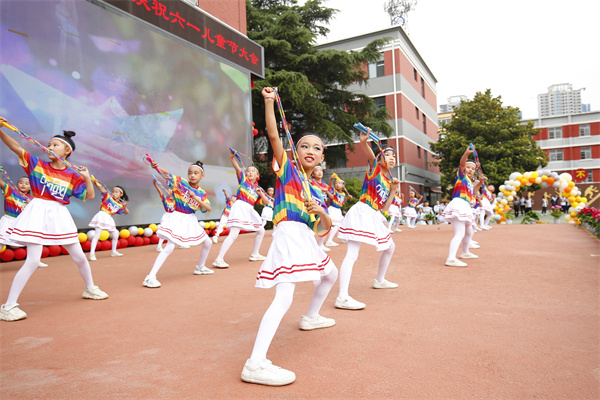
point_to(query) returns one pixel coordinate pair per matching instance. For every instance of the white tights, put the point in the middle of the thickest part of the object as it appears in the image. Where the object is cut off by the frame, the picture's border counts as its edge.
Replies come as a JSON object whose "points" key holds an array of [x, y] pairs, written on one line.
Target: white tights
{"points": [[170, 246], [463, 233], [334, 231], [284, 294], [115, 240], [233, 234], [350, 259], [34, 255]]}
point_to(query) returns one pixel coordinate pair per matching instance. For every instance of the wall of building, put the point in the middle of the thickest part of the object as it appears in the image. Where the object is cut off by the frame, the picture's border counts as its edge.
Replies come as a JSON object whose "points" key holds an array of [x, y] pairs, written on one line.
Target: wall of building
{"points": [[231, 12]]}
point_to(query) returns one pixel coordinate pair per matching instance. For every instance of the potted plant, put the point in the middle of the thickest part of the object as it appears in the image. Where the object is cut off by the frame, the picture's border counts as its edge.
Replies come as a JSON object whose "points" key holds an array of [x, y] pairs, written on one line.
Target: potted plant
{"points": [[530, 218], [429, 218], [509, 215], [556, 213]]}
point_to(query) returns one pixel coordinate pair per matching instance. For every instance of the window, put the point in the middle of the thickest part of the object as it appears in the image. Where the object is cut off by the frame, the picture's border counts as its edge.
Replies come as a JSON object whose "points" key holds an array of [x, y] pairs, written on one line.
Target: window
{"points": [[419, 151], [416, 112], [586, 153], [422, 87], [584, 130], [377, 69], [415, 73], [555, 132], [424, 123], [590, 177], [555, 155], [379, 101]]}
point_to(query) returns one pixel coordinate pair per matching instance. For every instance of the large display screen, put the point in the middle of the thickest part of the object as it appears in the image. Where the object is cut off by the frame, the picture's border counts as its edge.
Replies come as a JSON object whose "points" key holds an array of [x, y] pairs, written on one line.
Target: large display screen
{"points": [[126, 89]]}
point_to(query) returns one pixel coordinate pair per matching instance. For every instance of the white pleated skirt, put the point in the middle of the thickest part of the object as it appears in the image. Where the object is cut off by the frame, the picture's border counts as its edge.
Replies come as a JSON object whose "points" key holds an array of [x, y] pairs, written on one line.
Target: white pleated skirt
{"points": [[364, 224], [7, 222], [336, 216], [267, 213], [458, 210], [181, 229], [486, 206], [410, 212], [394, 211], [245, 217], [44, 222], [294, 256], [103, 220]]}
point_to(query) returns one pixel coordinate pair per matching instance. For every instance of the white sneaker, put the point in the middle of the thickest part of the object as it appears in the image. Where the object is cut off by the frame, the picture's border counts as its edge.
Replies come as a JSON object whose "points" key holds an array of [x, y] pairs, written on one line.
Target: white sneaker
{"points": [[257, 257], [184, 247], [92, 257], [202, 270], [116, 254], [398, 230], [473, 242], [467, 255], [331, 244], [151, 282], [474, 246], [324, 248], [42, 265], [215, 239], [11, 313], [265, 373], [308, 324], [385, 284], [94, 293], [220, 263], [349, 304], [344, 240], [159, 249], [453, 262]]}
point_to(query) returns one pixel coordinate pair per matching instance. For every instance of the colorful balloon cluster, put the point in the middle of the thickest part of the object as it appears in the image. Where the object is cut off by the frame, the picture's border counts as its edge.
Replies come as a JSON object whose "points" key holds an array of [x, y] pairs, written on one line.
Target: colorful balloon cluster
{"points": [[517, 181]]}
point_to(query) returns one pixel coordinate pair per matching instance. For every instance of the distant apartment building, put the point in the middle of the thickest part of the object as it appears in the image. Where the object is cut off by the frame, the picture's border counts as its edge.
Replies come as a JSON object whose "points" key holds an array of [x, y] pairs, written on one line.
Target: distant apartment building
{"points": [[402, 81], [453, 102], [560, 100]]}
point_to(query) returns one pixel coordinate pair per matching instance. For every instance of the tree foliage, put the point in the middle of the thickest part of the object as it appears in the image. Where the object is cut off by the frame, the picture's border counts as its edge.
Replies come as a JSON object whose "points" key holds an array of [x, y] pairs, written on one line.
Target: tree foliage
{"points": [[503, 143], [312, 83]]}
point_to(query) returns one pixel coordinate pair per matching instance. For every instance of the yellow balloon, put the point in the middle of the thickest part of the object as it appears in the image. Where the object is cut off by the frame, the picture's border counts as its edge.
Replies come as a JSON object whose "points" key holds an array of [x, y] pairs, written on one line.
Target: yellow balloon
{"points": [[213, 224], [3, 248], [573, 214], [583, 200], [124, 234], [153, 227], [575, 204], [571, 199], [571, 184], [534, 175], [207, 225], [82, 237], [103, 235], [140, 231]]}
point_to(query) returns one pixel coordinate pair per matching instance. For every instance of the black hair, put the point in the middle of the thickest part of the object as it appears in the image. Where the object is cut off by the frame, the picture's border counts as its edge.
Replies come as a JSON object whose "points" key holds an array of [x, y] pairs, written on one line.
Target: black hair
{"points": [[66, 136], [124, 197], [199, 164]]}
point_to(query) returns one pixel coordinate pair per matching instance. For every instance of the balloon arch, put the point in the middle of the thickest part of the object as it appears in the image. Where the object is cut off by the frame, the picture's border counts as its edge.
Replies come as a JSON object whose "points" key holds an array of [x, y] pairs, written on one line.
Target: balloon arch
{"points": [[546, 178]]}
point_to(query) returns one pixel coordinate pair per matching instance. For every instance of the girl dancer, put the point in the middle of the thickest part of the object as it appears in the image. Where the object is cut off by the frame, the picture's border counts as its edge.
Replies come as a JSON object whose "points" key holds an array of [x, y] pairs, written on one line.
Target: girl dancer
{"points": [[459, 212], [294, 255], [182, 227], [46, 220], [267, 211], [225, 215], [112, 203], [242, 215], [337, 197], [410, 211], [363, 223], [395, 212], [168, 204]]}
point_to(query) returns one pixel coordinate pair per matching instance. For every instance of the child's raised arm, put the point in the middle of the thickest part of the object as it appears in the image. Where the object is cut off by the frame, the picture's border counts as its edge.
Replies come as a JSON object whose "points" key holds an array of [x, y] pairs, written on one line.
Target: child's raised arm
{"points": [[278, 150], [364, 143], [99, 186], [236, 166], [9, 141], [464, 158]]}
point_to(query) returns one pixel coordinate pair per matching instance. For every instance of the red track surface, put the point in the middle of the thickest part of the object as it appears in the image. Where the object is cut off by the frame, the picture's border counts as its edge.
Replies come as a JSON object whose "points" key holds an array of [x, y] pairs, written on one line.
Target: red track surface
{"points": [[521, 322]]}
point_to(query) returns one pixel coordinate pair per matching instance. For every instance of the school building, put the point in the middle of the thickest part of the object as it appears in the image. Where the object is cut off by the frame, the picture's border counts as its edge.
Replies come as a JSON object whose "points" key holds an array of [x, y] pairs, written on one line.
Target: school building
{"points": [[402, 81]]}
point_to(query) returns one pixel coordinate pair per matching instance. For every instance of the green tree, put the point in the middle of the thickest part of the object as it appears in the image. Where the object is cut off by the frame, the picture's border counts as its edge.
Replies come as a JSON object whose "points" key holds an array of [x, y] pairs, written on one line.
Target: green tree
{"points": [[503, 143], [312, 83]]}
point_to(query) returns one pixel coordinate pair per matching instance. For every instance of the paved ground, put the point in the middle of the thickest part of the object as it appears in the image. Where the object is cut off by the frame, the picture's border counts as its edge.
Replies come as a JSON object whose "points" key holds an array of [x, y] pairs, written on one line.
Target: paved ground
{"points": [[521, 322]]}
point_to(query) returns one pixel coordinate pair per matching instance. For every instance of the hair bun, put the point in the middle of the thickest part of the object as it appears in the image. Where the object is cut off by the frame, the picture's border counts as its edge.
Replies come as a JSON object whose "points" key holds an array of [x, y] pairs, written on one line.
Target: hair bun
{"points": [[200, 164], [69, 134]]}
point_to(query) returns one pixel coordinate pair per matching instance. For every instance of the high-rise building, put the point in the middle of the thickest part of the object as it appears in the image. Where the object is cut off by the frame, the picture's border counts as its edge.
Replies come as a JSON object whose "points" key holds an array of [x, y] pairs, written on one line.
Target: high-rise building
{"points": [[560, 100], [453, 102], [402, 81]]}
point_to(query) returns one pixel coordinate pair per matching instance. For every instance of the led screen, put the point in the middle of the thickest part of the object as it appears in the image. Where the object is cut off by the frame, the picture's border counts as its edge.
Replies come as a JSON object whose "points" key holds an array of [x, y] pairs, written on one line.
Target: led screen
{"points": [[126, 89]]}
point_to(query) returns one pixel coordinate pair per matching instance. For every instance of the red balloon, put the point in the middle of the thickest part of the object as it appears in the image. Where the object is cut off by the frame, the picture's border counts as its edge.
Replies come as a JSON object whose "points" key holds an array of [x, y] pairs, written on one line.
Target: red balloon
{"points": [[122, 244], [7, 255], [254, 132], [154, 239], [106, 245], [252, 84], [20, 253], [54, 250], [138, 241], [131, 240], [146, 240], [225, 232], [45, 251], [63, 250], [86, 246], [253, 124]]}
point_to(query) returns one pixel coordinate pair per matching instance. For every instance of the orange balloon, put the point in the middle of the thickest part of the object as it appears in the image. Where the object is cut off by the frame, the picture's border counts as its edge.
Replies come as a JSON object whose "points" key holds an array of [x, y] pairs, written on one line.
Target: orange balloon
{"points": [[567, 190], [531, 180], [550, 181]]}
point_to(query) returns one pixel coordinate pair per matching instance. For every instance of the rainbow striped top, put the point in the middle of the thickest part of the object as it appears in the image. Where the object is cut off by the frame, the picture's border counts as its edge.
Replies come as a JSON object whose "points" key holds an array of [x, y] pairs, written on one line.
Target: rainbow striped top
{"points": [[168, 202], [397, 201], [184, 202], [413, 202], [486, 192], [376, 188], [247, 190], [14, 202], [228, 205], [463, 187], [110, 205], [321, 185], [53, 184], [289, 202], [338, 199]]}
